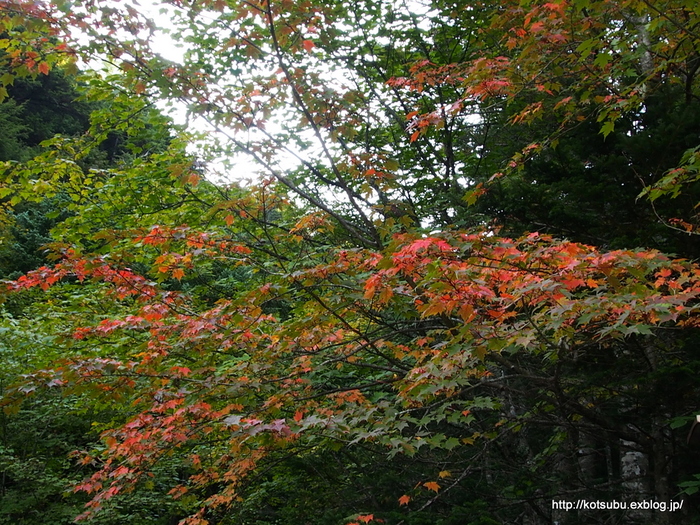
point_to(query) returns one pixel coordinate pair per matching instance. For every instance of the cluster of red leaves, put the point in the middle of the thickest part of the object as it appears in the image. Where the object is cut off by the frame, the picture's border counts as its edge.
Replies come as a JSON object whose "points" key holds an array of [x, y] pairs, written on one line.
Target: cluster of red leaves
{"points": [[574, 60], [479, 293], [529, 295], [31, 41], [483, 78], [126, 282], [479, 288]]}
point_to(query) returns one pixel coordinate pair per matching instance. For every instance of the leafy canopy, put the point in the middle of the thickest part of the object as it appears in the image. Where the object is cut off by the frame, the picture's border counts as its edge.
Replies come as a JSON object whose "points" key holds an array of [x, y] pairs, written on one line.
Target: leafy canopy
{"points": [[359, 303]]}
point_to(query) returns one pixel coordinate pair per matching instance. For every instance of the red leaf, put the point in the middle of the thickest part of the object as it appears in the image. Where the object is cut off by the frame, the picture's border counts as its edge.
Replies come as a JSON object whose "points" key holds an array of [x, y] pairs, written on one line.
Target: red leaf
{"points": [[573, 283], [556, 7], [308, 45]]}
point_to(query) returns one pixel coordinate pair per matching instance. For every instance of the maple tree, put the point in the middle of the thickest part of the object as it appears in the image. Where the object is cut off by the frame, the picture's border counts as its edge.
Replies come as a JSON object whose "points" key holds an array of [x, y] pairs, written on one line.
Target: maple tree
{"points": [[336, 314]]}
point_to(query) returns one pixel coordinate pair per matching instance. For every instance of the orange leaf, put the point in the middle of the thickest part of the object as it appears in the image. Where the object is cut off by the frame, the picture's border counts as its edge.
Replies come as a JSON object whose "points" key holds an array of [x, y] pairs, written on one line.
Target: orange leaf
{"points": [[308, 45], [178, 273], [178, 492], [573, 283], [403, 500], [466, 312], [385, 295], [366, 518], [592, 283], [431, 485], [44, 68]]}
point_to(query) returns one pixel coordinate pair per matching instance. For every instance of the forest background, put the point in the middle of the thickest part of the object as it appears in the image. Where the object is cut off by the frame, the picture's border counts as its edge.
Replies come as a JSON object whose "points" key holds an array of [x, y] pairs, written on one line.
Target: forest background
{"points": [[453, 283]]}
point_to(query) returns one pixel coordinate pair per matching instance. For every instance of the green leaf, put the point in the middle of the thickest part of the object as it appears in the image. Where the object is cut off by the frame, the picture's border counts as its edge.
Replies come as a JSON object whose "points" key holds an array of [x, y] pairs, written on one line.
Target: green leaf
{"points": [[607, 128]]}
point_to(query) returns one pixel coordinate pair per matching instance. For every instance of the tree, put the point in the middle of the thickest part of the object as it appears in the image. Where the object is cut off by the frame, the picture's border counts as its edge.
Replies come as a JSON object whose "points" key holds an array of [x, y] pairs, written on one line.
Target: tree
{"points": [[36, 442], [335, 316]]}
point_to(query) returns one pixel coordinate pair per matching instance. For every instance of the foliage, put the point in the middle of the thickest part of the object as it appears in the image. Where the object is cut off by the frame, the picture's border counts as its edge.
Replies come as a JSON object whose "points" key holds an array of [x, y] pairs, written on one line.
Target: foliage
{"points": [[366, 331]]}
